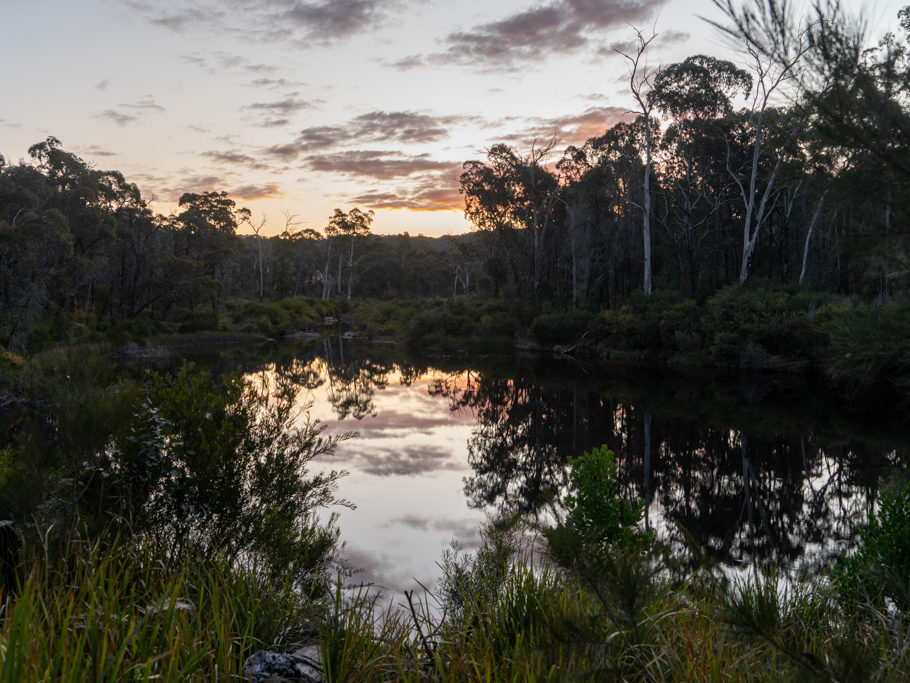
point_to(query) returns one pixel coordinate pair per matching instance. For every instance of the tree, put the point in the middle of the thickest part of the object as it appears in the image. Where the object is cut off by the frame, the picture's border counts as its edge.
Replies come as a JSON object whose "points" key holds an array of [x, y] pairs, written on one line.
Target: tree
{"points": [[208, 230], [514, 192], [694, 94], [641, 82], [348, 227]]}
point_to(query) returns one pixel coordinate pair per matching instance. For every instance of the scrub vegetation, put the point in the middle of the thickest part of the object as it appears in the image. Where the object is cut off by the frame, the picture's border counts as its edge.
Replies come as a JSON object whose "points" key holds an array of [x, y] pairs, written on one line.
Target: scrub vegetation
{"points": [[168, 524]]}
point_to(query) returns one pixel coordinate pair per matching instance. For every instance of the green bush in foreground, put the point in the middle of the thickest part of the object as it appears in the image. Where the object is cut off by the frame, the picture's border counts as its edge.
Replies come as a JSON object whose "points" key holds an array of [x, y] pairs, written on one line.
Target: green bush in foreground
{"points": [[879, 568]]}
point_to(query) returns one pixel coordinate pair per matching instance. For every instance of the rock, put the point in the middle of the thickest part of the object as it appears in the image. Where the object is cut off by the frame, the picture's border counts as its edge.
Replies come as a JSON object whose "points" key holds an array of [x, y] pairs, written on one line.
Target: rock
{"points": [[303, 666]]}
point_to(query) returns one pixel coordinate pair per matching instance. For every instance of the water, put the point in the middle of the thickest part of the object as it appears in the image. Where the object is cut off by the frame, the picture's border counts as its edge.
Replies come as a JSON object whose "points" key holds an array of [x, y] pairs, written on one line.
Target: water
{"points": [[753, 470]]}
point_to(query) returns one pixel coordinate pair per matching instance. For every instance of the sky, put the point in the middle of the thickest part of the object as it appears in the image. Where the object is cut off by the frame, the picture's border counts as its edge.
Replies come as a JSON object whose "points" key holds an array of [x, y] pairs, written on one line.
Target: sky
{"points": [[297, 107]]}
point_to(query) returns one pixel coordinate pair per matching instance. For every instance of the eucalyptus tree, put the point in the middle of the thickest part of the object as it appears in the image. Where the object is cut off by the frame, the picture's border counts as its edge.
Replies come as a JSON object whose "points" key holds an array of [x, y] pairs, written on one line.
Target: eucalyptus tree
{"points": [[206, 238], [347, 227], [80, 193], [641, 83], [513, 192], [602, 185], [696, 95]]}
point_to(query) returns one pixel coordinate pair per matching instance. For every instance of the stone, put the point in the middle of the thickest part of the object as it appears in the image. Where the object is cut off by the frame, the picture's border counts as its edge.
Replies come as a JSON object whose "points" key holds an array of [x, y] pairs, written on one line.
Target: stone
{"points": [[302, 666]]}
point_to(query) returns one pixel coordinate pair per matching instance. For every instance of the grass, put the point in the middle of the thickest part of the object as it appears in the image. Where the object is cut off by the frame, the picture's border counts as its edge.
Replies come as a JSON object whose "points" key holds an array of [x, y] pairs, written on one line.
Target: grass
{"points": [[126, 612]]}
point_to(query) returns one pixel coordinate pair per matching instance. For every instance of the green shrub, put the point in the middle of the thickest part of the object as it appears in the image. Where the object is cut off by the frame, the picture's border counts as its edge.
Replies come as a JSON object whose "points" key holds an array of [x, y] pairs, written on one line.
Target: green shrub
{"points": [[879, 568], [560, 327], [188, 320]]}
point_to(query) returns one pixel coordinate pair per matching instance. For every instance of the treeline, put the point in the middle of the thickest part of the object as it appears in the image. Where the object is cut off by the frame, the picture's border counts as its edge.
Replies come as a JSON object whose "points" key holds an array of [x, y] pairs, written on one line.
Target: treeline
{"points": [[695, 194], [79, 244]]}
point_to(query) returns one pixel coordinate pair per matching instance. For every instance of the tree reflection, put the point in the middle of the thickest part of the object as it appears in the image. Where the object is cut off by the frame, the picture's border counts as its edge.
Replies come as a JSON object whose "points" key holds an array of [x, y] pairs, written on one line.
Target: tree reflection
{"points": [[743, 493], [748, 473]]}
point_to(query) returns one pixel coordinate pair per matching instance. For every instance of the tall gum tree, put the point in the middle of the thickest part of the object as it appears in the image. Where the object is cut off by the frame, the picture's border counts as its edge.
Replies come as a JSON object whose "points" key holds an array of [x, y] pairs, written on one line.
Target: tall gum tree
{"points": [[348, 227], [641, 83], [512, 191], [694, 95]]}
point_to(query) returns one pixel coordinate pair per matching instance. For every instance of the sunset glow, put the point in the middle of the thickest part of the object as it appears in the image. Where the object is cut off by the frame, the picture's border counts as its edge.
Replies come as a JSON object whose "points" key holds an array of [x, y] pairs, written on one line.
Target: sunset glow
{"points": [[302, 107]]}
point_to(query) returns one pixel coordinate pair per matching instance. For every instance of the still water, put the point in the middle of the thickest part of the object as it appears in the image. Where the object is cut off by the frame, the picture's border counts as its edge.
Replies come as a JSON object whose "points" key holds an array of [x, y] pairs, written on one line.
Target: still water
{"points": [[756, 468]]}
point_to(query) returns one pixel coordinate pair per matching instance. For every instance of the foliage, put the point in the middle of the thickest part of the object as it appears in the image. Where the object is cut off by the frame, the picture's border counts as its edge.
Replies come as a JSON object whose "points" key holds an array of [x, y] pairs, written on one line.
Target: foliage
{"points": [[869, 346], [223, 466], [119, 610], [560, 326], [595, 511], [879, 568]]}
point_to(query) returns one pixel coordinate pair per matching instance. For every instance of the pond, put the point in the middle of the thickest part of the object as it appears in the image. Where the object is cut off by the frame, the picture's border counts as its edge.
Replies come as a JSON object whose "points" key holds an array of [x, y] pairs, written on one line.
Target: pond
{"points": [[754, 468]]}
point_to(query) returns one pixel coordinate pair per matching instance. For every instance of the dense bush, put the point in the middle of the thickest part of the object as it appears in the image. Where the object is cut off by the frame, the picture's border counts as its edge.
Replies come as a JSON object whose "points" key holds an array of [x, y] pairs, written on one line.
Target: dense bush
{"points": [[879, 568], [777, 319], [662, 321], [560, 327]]}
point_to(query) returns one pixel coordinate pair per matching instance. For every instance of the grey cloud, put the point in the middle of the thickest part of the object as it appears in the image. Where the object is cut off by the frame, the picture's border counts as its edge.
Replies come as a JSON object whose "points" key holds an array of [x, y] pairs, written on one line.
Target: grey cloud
{"points": [[409, 62], [564, 26], [573, 129], [404, 126], [95, 150], [428, 192], [102, 85], [274, 123], [134, 111], [146, 104], [663, 38], [289, 105], [375, 126], [287, 152], [381, 165], [274, 83], [182, 18], [118, 117], [333, 18], [235, 159], [226, 61], [297, 21], [253, 192]]}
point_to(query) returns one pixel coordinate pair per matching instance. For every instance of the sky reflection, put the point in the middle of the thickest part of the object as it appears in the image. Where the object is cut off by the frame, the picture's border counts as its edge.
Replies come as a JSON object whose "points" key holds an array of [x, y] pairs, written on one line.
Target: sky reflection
{"points": [[407, 469]]}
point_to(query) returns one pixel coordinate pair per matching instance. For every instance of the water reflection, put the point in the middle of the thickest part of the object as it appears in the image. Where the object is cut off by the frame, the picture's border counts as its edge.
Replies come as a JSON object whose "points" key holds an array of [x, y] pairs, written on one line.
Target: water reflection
{"points": [[751, 470]]}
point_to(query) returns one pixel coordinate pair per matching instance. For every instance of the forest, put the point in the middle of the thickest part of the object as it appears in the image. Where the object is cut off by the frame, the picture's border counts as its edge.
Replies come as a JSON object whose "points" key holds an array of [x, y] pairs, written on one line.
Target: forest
{"points": [[746, 221]]}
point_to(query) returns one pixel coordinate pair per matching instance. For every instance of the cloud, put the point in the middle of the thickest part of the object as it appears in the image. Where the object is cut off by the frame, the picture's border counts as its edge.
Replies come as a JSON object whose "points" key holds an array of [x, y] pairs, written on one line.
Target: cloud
{"points": [[428, 192], [404, 127], [630, 47], [332, 19], [146, 104], [381, 165], [407, 63], [302, 22], [573, 129], [120, 118], [179, 19], [228, 61], [130, 112], [96, 151], [251, 193], [232, 158], [288, 105], [102, 85], [560, 27], [274, 83]]}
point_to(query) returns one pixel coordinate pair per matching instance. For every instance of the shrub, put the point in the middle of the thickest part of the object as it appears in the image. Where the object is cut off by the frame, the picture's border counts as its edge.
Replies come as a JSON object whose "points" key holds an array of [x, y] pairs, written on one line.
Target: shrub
{"points": [[560, 327], [879, 568]]}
